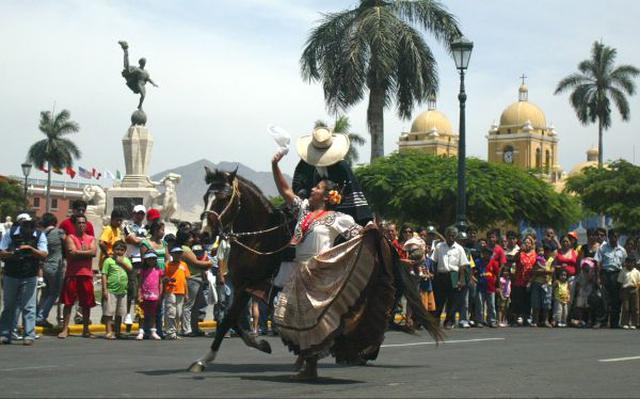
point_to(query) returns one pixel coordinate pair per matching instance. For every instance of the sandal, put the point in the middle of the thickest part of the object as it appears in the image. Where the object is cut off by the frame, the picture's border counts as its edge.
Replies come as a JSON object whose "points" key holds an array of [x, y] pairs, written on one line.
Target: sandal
{"points": [[88, 335], [109, 336]]}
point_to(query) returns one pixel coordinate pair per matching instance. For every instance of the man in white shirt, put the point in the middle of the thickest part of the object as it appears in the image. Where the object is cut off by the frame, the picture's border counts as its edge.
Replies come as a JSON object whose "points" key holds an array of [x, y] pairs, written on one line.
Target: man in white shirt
{"points": [[610, 257], [450, 258]]}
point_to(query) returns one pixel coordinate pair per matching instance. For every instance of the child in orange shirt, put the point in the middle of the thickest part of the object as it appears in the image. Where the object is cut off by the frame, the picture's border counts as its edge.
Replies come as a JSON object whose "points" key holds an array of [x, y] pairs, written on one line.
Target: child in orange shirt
{"points": [[175, 289]]}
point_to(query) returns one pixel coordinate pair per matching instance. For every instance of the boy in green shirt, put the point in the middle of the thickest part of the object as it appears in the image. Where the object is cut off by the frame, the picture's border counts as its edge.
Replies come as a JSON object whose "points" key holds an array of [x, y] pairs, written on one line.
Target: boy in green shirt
{"points": [[114, 288]]}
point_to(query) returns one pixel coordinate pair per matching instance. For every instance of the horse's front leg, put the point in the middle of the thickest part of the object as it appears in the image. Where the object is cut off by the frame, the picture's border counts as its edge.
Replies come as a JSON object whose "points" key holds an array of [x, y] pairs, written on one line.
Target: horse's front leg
{"points": [[229, 320]]}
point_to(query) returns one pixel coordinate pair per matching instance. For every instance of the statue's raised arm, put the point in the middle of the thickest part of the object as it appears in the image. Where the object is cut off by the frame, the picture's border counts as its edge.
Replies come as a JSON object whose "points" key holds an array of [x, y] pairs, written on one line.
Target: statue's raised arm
{"points": [[136, 77]]}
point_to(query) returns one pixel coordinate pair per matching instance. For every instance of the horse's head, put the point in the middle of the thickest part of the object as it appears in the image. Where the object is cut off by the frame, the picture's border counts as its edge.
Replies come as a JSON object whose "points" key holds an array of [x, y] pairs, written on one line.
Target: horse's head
{"points": [[218, 195]]}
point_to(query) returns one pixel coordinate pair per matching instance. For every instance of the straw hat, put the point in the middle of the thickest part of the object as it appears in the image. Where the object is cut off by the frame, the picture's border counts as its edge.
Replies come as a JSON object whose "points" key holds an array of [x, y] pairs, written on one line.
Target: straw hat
{"points": [[322, 148]]}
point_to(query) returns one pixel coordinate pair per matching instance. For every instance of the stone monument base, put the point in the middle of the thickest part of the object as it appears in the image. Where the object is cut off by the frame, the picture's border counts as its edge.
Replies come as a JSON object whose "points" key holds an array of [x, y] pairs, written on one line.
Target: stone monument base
{"points": [[128, 197]]}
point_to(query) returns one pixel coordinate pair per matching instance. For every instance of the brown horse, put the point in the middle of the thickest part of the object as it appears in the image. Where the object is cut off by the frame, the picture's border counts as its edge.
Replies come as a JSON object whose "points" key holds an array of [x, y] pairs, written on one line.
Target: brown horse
{"points": [[259, 234]]}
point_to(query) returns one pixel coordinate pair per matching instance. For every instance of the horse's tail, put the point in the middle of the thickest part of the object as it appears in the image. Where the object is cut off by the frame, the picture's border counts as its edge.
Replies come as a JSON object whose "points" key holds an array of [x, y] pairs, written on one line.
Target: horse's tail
{"points": [[406, 286]]}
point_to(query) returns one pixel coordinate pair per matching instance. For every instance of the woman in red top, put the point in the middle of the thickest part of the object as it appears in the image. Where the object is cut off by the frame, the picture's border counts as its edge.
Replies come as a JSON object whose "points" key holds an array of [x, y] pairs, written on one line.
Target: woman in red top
{"points": [[520, 302], [567, 257], [78, 279]]}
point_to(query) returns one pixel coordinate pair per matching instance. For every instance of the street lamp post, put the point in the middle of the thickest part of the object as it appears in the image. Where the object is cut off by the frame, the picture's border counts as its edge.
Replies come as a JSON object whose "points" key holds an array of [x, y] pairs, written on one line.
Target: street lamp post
{"points": [[461, 49], [26, 169]]}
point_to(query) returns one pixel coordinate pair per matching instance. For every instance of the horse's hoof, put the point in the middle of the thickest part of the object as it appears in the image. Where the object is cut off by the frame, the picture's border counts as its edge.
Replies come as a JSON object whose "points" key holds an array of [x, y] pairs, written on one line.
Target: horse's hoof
{"points": [[197, 367], [264, 346]]}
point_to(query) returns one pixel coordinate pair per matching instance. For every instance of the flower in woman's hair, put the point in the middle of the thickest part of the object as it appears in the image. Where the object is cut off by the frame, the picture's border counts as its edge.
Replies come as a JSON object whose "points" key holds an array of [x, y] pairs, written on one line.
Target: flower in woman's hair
{"points": [[334, 197]]}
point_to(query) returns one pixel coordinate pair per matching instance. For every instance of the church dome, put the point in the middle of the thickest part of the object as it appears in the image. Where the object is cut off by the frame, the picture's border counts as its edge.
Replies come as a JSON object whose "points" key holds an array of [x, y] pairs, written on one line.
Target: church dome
{"points": [[592, 161], [522, 111], [432, 121]]}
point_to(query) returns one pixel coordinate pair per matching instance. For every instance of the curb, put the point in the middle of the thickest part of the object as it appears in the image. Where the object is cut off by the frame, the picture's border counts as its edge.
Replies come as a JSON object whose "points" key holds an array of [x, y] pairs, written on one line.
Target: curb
{"points": [[100, 328]]}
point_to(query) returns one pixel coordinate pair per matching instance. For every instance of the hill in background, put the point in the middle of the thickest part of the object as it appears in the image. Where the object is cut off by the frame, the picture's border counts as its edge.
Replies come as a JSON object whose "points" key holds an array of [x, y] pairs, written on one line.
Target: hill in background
{"points": [[192, 187]]}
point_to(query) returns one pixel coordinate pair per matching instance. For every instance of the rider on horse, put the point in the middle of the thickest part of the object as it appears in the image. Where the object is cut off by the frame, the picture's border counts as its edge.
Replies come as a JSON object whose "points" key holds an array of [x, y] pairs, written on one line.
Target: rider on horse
{"points": [[307, 327]]}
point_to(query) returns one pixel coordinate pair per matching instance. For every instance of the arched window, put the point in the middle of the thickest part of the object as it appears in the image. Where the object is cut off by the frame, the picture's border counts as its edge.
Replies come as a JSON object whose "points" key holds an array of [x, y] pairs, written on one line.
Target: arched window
{"points": [[547, 161], [538, 158]]}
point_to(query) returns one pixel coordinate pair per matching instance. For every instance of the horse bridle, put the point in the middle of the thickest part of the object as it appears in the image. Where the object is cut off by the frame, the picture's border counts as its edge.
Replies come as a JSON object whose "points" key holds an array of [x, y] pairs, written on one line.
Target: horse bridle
{"points": [[226, 230]]}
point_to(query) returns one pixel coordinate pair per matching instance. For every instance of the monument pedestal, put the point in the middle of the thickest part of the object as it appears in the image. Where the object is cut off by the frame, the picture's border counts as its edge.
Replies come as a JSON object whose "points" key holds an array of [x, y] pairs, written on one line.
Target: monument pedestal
{"points": [[136, 188]]}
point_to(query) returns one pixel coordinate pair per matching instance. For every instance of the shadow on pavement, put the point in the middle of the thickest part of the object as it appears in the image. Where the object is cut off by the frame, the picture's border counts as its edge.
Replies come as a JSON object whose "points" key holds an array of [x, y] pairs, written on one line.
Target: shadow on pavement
{"points": [[247, 368], [286, 380]]}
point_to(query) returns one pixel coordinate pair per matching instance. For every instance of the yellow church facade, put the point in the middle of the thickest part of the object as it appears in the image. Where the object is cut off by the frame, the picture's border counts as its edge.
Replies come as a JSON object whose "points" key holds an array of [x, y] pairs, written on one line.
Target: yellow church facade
{"points": [[431, 133], [523, 138]]}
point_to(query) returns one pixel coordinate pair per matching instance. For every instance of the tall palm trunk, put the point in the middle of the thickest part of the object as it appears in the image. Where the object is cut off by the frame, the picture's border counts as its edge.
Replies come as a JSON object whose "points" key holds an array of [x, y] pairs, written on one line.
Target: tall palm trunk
{"points": [[375, 121], [600, 150], [48, 199], [603, 220]]}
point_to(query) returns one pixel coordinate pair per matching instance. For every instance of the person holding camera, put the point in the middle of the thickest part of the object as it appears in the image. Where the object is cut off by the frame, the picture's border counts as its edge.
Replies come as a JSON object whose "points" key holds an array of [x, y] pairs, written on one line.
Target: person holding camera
{"points": [[22, 248]]}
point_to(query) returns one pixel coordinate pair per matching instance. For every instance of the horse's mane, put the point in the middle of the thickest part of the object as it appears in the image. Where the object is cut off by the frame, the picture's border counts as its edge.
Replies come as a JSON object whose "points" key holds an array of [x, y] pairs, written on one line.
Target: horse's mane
{"points": [[251, 186]]}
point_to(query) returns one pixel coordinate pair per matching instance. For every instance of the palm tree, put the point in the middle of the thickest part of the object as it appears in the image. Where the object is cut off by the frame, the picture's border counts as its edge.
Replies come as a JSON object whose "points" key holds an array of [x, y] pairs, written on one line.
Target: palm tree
{"points": [[343, 126], [597, 82], [55, 151], [376, 47]]}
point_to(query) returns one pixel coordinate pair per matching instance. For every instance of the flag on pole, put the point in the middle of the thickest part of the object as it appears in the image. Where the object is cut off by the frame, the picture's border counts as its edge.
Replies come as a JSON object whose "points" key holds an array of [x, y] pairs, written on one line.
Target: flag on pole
{"points": [[118, 175], [71, 172], [85, 174], [57, 171], [109, 174], [43, 169], [96, 173]]}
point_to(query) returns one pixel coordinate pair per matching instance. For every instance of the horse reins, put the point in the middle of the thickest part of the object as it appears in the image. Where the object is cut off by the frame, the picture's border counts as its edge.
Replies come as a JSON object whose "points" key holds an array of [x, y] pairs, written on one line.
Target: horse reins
{"points": [[234, 237]]}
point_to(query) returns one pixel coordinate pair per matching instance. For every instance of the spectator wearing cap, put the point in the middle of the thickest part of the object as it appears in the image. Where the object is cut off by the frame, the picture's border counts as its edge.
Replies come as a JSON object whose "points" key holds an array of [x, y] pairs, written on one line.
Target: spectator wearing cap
{"points": [[153, 216], [156, 243], [150, 294], [451, 261], [610, 257], [78, 280], [134, 236], [175, 292], [22, 248], [78, 208]]}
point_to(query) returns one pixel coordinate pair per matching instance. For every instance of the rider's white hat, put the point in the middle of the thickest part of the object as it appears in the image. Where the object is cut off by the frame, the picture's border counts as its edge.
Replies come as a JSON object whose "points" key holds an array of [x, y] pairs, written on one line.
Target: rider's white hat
{"points": [[322, 147]]}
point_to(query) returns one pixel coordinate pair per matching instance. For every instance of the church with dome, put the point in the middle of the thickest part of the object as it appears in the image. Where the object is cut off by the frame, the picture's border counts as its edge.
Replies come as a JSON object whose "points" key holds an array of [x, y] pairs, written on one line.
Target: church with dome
{"points": [[431, 132], [524, 138]]}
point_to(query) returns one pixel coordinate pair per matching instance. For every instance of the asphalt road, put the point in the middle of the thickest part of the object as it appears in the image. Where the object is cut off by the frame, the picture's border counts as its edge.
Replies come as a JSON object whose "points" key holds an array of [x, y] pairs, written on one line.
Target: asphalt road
{"points": [[512, 362]]}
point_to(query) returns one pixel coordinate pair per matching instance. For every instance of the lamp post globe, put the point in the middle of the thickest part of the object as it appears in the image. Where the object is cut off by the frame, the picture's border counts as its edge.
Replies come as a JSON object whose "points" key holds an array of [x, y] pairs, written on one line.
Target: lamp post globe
{"points": [[26, 169], [461, 50]]}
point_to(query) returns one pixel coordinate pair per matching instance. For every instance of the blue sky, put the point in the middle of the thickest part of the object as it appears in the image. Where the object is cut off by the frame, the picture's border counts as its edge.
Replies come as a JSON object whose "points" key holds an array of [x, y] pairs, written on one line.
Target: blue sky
{"points": [[228, 68]]}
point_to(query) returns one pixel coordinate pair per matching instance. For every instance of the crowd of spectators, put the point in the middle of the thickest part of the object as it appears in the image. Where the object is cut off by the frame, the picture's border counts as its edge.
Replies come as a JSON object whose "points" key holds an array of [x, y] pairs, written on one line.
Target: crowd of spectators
{"points": [[166, 282], [521, 279]]}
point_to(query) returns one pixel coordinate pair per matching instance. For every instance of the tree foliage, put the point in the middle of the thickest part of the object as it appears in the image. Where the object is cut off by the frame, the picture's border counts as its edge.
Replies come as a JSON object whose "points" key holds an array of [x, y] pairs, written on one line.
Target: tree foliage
{"points": [[377, 49], [613, 191], [417, 188], [11, 198], [55, 151], [597, 83]]}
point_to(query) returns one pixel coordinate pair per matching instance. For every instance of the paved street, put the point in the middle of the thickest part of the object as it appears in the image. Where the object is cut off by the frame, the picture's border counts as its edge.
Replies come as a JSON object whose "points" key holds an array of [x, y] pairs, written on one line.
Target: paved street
{"points": [[474, 363]]}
